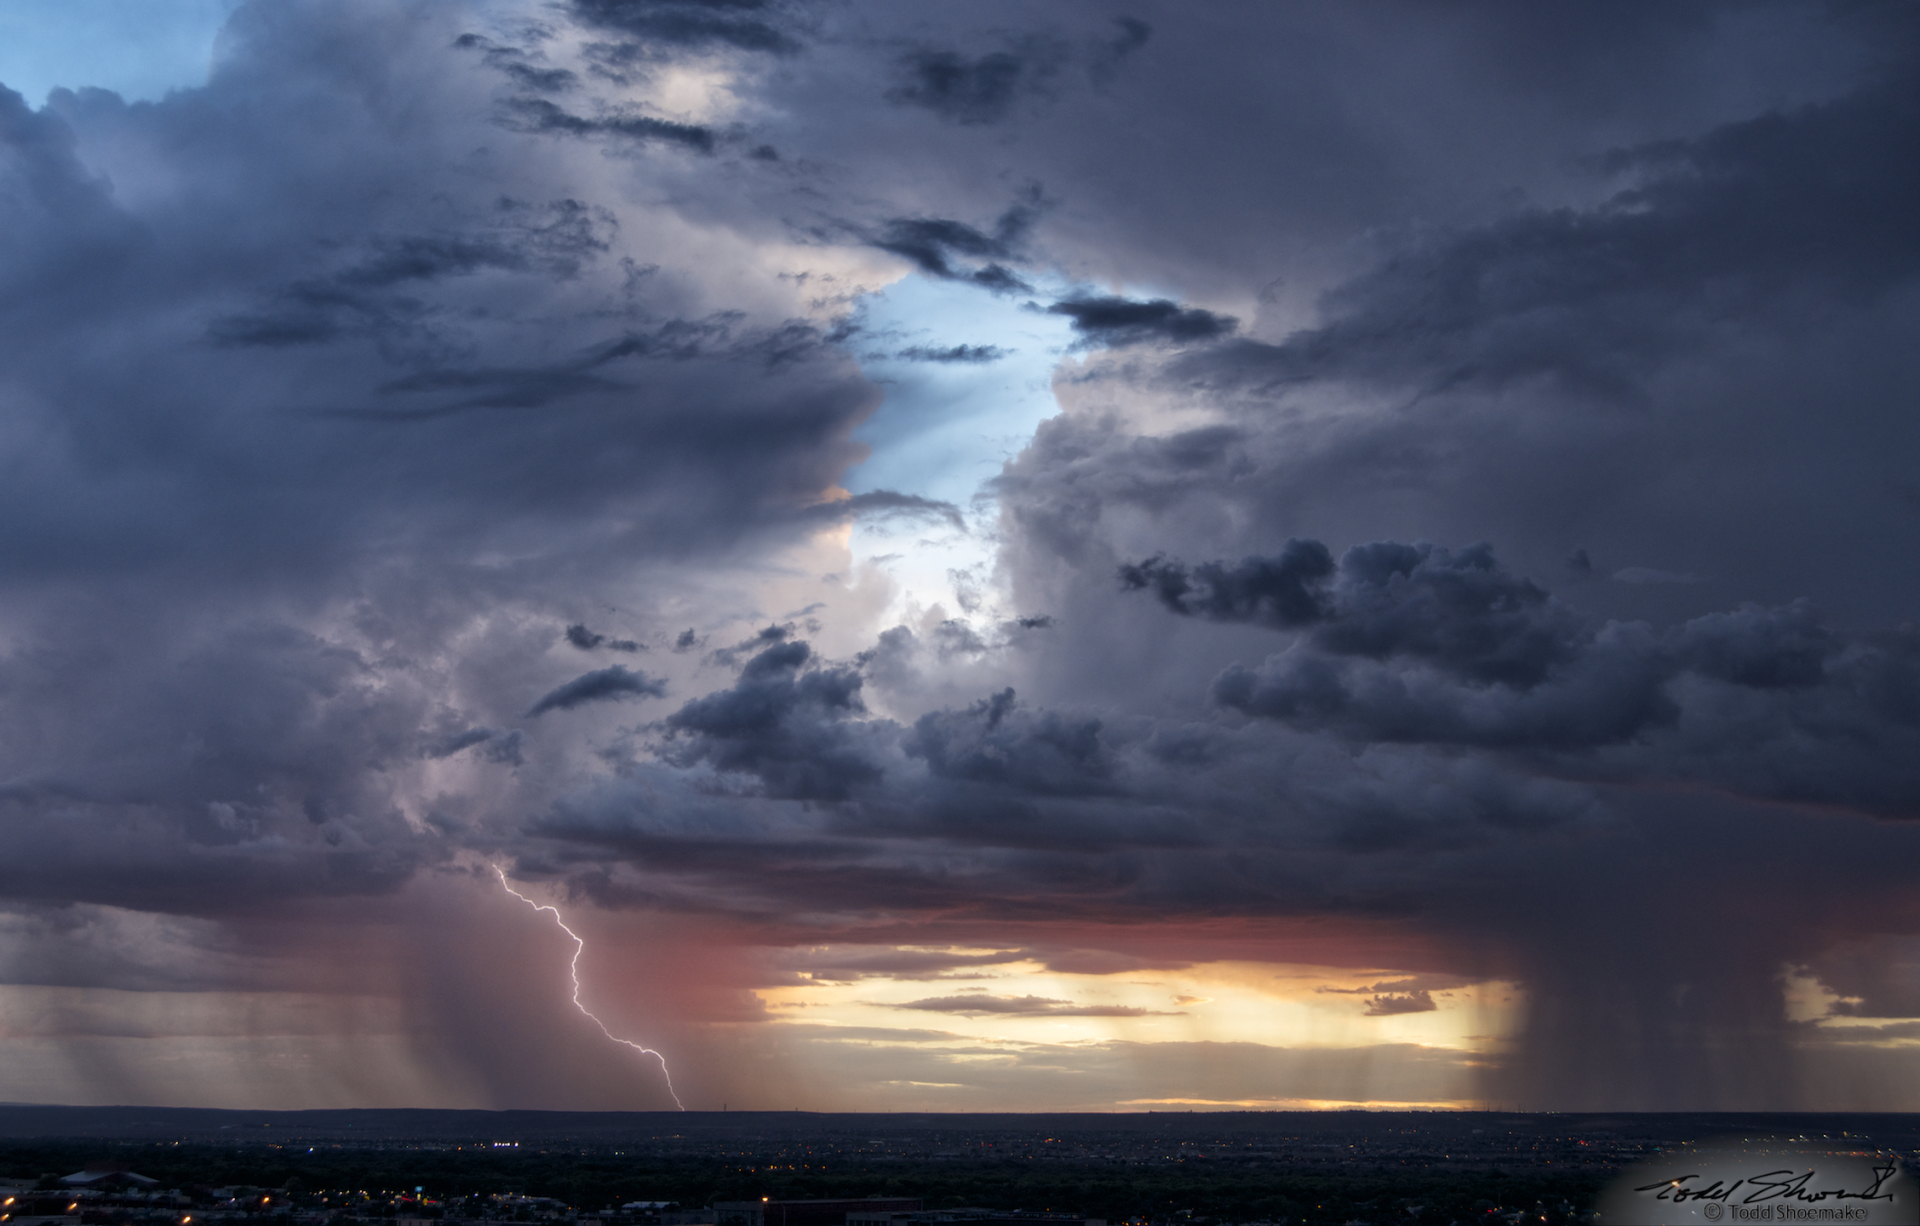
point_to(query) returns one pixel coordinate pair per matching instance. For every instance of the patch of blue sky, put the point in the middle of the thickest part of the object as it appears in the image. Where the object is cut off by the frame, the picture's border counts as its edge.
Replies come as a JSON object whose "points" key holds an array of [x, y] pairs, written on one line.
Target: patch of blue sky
{"points": [[968, 377], [139, 49]]}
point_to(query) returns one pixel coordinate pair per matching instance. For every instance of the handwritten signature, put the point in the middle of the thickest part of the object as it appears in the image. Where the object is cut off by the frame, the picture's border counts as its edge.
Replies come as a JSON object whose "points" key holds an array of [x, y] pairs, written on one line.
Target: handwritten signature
{"points": [[1772, 1185]]}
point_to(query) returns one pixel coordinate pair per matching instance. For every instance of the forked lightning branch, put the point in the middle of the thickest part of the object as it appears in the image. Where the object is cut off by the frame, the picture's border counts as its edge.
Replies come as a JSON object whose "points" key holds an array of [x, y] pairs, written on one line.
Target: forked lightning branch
{"points": [[573, 968]]}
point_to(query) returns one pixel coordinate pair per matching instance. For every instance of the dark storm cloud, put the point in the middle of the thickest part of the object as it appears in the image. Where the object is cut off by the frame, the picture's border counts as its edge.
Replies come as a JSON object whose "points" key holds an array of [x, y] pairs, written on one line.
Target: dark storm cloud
{"points": [[281, 501], [993, 741], [1117, 322], [473, 389], [975, 90], [1425, 645], [600, 368], [1755, 229], [293, 736], [954, 637], [452, 744], [601, 685], [496, 745], [1394, 1003], [1684, 386], [583, 638], [1748, 232], [586, 640], [989, 88], [64, 222], [746, 25], [970, 856], [1750, 216], [981, 1004], [1110, 962], [1069, 801], [882, 504], [784, 722], [1059, 783], [954, 251], [754, 644], [1637, 372], [515, 64], [973, 355], [542, 115], [1460, 612], [1423, 985], [335, 387], [1282, 591], [987, 775], [369, 297]]}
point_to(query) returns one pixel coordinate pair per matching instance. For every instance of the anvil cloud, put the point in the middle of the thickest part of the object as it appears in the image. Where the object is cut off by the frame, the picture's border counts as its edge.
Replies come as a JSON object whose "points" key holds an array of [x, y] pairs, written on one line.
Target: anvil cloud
{"points": [[1452, 642]]}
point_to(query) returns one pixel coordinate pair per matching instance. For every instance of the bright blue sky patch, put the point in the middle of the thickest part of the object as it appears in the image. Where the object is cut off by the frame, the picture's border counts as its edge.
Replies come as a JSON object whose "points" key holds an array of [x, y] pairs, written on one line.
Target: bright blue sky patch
{"points": [[968, 377], [140, 49]]}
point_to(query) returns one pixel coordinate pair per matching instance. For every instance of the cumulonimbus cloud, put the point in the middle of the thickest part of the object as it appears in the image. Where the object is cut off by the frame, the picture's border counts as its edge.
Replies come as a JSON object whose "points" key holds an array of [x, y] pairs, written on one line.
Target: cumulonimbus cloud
{"points": [[355, 391]]}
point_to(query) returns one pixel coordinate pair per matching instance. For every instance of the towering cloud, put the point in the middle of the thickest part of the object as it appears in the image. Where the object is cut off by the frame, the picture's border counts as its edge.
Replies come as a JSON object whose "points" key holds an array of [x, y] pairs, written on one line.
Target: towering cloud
{"points": [[1459, 605]]}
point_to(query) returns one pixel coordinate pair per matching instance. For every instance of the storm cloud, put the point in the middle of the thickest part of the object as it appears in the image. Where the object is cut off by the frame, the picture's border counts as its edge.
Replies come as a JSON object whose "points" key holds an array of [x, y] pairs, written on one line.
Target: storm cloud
{"points": [[1119, 321], [1463, 550], [982, 1004], [599, 686]]}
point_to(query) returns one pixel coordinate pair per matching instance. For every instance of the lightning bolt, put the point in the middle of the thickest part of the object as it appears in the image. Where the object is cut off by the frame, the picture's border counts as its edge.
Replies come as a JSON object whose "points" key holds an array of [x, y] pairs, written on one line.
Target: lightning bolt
{"points": [[580, 947]]}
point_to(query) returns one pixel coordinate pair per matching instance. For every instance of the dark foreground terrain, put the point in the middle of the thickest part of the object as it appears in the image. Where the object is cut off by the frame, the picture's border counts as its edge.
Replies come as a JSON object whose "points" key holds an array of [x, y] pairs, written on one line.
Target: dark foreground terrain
{"points": [[1337, 1167]]}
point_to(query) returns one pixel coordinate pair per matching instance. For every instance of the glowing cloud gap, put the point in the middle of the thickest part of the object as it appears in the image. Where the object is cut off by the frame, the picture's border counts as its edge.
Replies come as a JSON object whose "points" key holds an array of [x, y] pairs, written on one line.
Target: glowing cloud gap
{"points": [[573, 968]]}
